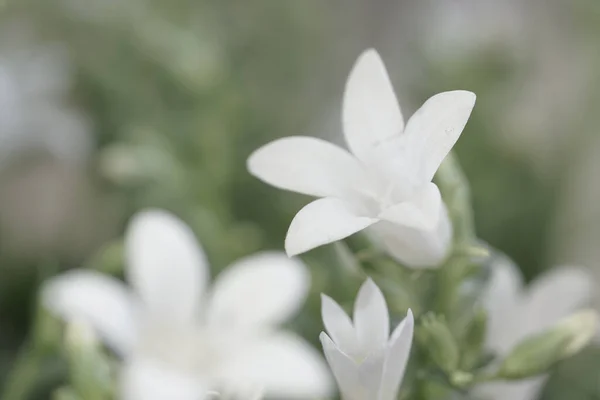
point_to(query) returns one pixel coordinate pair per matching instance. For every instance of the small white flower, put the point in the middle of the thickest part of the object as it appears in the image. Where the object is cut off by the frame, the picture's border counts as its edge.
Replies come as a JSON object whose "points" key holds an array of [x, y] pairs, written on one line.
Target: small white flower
{"points": [[386, 181], [515, 312], [368, 363], [179, 340]]}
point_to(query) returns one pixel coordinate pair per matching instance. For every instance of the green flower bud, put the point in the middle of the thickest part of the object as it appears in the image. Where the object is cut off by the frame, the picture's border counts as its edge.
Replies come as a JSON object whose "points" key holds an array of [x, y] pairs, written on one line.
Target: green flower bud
{"points": [[461, 379], [474, 338], [536, 354], [456, 193], [474, 251], [435, 337]]}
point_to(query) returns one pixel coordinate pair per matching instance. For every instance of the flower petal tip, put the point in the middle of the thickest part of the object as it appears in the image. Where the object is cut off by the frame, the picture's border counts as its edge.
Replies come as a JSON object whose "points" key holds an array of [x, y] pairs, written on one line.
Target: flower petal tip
{"points": [[371, 53], [369, 286], [466, 96], [327, 303], [253, 160], [291, 250], [325, 339], [367, 61]]}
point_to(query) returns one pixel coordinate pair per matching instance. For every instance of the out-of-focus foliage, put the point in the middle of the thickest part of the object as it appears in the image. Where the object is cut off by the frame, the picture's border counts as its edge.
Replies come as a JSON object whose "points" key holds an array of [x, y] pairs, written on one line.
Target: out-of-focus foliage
{"points": [[179, 92]]}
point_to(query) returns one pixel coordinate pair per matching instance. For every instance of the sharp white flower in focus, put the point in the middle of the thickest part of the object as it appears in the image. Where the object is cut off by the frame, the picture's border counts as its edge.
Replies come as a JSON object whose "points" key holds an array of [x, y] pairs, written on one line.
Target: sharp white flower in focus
{"points": [[180, 340], [515, 312], [385, 183], [368, 363]]}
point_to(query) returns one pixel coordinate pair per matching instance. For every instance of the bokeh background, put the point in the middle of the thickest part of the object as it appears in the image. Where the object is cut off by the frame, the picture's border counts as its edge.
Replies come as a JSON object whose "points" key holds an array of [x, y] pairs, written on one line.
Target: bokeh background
{"points": [[109, 106]]}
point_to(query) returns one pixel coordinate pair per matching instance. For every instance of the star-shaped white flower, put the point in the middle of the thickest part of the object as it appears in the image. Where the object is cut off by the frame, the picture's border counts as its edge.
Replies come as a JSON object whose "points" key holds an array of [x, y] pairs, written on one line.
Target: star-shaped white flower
{"points": [[368, 363], [515, 312], [386, 181], [179, 340]]}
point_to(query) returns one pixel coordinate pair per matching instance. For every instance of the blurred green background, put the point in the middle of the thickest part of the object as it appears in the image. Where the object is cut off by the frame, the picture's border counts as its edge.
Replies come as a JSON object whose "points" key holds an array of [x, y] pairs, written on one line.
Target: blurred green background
{"points": [[109, 106]]}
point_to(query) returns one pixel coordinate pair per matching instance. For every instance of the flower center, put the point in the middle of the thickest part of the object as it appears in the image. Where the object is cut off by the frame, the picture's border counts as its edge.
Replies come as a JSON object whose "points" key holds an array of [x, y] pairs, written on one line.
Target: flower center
{"points": [[190, 349]]}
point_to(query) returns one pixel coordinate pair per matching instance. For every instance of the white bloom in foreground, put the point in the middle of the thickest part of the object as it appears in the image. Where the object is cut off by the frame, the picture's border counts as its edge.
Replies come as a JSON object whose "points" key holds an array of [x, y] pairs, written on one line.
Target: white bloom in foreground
{"points": [[515, 312], [368, 363], [177, 339], [386, 181]]}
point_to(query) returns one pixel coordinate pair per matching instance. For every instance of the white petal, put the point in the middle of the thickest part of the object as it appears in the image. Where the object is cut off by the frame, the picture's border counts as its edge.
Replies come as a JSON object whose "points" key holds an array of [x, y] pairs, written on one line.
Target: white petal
{"points": [[422, 211], [555, 295], [98, 300], [344, 369], [308, 165], [166, 265], [338, 325], [143, 379], [396, 359], [371, 114], [357, 379], [434, 129], [371, 318], [416, 248], [505, 284], [370, 372], [284, 365], [502, 298], [321, 222], [258, 291]]}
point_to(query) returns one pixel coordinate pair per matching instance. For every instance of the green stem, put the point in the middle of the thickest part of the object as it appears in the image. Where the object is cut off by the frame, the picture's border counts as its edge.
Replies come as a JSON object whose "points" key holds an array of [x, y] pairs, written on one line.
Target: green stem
{"points": [[22, 375]]}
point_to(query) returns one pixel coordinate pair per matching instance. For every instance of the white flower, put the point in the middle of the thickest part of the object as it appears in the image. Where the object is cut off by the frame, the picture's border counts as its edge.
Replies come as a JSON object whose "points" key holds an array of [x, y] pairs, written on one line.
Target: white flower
{"points": [[179, 340], [386, 181], [368, 363], [34, 80], [515, 312]]}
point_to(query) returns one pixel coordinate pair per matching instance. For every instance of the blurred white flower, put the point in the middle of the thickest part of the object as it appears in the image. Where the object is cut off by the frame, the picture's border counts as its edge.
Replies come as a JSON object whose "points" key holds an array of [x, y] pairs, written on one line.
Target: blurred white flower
{"points": [[34, 80], [368, 363], [48, 202], [179, 340], [515, 312], [385, 183]]}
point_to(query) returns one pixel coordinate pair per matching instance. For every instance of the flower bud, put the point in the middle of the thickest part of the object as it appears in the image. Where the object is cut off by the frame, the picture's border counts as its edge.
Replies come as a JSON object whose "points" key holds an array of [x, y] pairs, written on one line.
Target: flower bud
{"points": [[461, 379], [474, 338], [536, 354], [455, 191], [439, 343]]}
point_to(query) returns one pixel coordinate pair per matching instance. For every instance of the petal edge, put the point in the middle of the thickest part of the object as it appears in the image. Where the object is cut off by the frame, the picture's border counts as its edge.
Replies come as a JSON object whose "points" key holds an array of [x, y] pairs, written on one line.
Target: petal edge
{"points": [[321, 222]]}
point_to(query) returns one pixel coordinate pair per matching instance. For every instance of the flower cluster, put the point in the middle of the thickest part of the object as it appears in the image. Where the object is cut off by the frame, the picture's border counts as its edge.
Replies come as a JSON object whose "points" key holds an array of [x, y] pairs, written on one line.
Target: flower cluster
{"points": [[176, 338], [385, 184]]}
